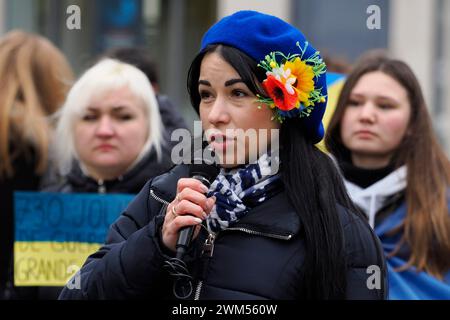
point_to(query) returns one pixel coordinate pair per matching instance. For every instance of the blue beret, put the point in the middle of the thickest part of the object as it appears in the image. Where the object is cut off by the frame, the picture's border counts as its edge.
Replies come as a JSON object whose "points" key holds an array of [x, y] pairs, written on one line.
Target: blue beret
{"points": [[257, 35]]}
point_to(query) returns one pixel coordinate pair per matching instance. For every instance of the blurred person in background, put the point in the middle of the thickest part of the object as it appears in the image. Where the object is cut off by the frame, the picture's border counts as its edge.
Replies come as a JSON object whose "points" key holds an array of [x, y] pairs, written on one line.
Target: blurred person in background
{"points": [[109, 136], [139, 57], [34, 79], [337, 64], [382, 138]]}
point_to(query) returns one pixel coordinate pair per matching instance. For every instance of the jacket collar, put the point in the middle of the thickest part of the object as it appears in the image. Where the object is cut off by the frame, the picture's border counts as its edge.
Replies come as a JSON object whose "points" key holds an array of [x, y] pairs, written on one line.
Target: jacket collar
{"points": [[131, 182], [274, 216]]}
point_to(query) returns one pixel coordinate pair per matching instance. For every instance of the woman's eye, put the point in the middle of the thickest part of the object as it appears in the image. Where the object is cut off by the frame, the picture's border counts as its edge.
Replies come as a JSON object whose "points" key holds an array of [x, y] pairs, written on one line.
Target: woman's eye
{"points": [[89, 117], [353, 103], [125, 117], [239, 93], [205, 95], [385, 106]]}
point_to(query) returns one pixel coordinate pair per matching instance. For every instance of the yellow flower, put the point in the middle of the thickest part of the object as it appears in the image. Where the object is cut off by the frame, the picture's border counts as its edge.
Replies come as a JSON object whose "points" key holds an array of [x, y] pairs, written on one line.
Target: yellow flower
{"points": [[273, 64], [304, 75]]}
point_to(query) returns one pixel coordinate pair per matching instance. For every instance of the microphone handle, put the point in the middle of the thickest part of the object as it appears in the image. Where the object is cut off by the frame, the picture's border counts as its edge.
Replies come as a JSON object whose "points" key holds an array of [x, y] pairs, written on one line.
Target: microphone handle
{"points": [[184, 240], [186, 233]]}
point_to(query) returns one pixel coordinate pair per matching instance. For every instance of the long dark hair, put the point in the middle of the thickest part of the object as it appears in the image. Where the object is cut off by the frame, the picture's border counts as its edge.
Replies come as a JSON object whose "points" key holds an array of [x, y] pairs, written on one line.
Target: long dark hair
{"points": [[426, 229], [312, 184]]}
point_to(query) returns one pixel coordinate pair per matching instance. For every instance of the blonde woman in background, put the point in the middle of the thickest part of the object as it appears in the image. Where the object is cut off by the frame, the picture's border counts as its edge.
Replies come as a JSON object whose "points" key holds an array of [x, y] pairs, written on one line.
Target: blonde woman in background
{"points": [[109, 137]]}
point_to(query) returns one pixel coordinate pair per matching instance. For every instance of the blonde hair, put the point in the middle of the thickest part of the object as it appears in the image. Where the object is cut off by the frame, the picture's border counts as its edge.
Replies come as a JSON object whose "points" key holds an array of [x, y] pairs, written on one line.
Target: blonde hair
{"points": [[107, 75], [34, 79]]}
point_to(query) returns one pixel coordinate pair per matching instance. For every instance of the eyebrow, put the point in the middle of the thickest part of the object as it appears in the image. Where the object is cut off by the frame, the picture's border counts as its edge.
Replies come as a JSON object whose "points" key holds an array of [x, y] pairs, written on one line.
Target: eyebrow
{"points": [[232, 81], [227, 83], [92, 109], [204, 82], [382, 98], [117, 108], [389, 99]]}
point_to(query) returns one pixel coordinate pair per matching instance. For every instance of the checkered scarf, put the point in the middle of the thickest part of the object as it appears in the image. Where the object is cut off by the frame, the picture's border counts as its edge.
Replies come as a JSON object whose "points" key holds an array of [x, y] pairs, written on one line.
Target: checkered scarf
{"points": [[237, 191]]}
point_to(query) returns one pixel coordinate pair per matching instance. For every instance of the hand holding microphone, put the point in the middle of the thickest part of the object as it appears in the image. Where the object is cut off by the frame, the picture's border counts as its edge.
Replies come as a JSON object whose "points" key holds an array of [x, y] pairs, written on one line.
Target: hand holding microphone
{"points": [[183, 218], [190, 207]]}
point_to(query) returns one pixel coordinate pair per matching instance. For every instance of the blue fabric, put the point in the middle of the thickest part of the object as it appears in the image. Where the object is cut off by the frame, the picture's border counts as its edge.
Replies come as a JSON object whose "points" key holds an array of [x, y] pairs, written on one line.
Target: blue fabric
{"points": [[66, 217], [257, 35], [408, 284], [333, 77]]}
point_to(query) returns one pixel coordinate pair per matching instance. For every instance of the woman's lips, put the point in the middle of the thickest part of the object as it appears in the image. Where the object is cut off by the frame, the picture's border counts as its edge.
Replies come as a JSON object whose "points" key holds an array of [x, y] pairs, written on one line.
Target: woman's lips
{"points": [[219, 145], [105, 147], [365, 134], [220, 142]]}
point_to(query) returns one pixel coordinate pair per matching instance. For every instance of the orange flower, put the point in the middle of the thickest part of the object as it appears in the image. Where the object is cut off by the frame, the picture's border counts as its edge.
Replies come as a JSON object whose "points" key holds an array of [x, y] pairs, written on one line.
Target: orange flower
{"points": [[305, 78], [277, 91]]}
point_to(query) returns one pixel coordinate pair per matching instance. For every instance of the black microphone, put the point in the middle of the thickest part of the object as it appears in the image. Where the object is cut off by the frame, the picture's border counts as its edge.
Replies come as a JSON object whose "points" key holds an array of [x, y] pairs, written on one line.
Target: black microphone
{"points": [[203, 168], [206, 173]]}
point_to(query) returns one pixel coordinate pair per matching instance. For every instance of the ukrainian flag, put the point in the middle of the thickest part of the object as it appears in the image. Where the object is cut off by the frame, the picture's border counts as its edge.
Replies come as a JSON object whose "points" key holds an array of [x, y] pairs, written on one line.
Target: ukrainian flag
{"points": [[335, 82], [56, 232]]}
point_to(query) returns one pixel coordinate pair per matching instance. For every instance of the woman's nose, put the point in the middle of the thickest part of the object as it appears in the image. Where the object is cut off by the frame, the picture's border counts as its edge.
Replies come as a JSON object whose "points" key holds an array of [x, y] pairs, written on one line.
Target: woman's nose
{"points": [[367, 113], [219, 112], [105, 127]]}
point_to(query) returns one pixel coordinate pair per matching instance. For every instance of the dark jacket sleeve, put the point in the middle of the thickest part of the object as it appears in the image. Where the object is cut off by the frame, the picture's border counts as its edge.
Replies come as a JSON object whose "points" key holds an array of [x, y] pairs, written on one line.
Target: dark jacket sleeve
{"points": [[367, 272], [129, 265]]}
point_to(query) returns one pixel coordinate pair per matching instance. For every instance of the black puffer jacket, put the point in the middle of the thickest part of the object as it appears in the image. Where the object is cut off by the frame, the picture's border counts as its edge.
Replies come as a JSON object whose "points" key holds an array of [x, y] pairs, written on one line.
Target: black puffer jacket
{"points": [[260, 257]]}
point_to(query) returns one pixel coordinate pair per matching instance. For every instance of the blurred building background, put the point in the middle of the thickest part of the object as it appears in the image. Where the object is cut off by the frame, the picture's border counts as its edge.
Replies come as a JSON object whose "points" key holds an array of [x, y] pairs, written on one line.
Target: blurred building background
{"points": [[417, 31]]}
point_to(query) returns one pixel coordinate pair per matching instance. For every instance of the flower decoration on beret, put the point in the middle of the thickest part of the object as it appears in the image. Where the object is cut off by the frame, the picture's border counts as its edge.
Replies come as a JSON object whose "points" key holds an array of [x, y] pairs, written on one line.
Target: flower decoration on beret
{"points": [[290, 84]]}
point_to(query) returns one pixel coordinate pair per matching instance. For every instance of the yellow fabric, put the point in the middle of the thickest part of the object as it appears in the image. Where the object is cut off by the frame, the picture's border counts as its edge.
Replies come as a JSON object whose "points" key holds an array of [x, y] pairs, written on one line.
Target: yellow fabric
{"points": [[333, 95], [49, 263]]}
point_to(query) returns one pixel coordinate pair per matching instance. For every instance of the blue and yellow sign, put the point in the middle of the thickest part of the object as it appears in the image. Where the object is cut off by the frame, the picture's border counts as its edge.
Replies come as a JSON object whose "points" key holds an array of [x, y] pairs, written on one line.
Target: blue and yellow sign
{"points": [[56, 232], [335, 82]]}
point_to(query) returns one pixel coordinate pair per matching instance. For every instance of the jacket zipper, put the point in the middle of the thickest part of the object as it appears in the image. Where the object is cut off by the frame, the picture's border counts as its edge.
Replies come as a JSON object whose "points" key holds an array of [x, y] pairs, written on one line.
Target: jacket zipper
{"points": [[160, 200], [101, 186], [208, 247], [198, 290], [262, 234]]}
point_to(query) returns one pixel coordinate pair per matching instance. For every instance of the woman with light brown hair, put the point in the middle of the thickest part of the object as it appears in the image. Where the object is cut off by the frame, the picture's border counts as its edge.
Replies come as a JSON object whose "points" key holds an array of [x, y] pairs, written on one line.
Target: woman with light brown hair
{"points": [[382, 138], [34, 79]]}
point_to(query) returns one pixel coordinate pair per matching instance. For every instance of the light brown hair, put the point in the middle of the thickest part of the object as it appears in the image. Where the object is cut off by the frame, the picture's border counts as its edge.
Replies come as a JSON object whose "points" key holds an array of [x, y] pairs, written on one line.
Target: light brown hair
{"points": [[34, 79], [426, 228]]}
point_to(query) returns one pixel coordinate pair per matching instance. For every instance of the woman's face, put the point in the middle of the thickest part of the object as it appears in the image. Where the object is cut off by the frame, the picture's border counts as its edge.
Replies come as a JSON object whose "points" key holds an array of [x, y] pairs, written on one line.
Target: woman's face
{"points": [[229, 112], [375, 119], [111, 133]]}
